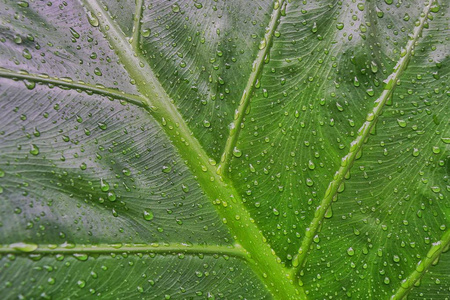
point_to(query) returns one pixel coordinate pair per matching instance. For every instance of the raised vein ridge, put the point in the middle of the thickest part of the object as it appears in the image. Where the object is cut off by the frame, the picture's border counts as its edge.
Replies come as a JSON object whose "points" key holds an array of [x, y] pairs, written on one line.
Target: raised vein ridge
{"points": [[137, 25], [422, 267], [106, 249], [226, 199], [74, 85], [357, 144], [258, 64]]}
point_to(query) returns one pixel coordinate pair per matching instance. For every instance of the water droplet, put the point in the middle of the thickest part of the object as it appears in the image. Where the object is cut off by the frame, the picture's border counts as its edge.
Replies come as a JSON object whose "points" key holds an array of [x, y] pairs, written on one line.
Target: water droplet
{"points": [[34, 150], [24, 247], [26, 54], [350, 251], [380, 13], [401, 123], [329, 213], [374, 67], [262, 44], [146, 32], [93, 20], [81, 256], [175, 8], [23, 3], [237, 152], [104, 185], [30, 84], [102, 126], [314, 28], [435, 7], [81, 283], [148, 214], [97, 72], [112, 196], [185, 188], [370, 92], [74, 33]]}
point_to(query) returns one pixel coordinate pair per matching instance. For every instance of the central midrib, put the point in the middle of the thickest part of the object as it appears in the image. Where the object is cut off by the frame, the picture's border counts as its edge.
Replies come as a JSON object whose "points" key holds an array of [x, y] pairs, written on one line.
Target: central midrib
{"points": [[263, 261]]}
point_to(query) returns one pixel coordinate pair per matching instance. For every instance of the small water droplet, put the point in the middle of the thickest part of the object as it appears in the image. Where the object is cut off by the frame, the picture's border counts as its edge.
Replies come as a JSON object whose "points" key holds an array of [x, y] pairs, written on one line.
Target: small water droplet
{"points": [[74, 33], [262, 44], [24, 247], [175, 8], [148, 214], [237, 152], [185, 188], [104, 185], [81, 256], [23, 3], [34, 150], [401, 123], [112, 196], [93, 20], [350, 251]]}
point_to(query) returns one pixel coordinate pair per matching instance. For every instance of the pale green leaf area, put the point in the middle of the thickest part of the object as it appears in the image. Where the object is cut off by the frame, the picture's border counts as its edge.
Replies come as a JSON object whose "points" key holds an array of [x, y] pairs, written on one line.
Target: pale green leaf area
{"points": [[211, 149]]}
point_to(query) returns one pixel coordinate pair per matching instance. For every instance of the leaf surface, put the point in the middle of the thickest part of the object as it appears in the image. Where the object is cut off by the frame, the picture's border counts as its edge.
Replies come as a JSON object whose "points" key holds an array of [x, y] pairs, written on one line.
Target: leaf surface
{"points": [[241, 149]]}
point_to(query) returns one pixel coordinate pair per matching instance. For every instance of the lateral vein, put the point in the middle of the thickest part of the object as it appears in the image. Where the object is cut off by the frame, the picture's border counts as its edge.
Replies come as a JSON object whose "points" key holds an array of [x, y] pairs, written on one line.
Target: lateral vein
{"points": [[105, 249], [257, 67], [74, 85], [137, 25], [356, 146], [422, 267]]}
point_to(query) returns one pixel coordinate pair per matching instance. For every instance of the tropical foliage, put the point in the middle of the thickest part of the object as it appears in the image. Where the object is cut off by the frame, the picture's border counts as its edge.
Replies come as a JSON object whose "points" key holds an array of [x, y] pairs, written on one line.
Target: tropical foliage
{"points": [[224, 149]]}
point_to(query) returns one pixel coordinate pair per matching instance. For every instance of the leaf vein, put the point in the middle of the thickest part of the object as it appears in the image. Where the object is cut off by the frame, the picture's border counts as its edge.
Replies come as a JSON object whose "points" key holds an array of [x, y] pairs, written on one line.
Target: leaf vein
{"points": [[356, 146], [105, 249], [257, 67], [83, 86]]}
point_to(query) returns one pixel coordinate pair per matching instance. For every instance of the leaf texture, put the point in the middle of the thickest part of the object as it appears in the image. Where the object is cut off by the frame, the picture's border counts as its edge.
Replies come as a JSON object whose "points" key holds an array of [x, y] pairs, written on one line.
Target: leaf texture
{"points": [[224, 149]]}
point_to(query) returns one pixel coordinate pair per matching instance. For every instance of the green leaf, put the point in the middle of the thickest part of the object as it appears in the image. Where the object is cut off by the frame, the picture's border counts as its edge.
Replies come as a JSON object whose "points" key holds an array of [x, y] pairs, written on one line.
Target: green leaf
{"points": [[224, 149]]}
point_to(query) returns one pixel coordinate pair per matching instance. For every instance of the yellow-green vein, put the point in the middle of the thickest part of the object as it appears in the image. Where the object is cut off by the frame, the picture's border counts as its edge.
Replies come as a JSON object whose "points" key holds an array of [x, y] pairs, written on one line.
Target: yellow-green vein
{"points": [[227, 201], [258, 64], [106, 249], [137, 25], [422, 267], [356, 145], [74, 85]]}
